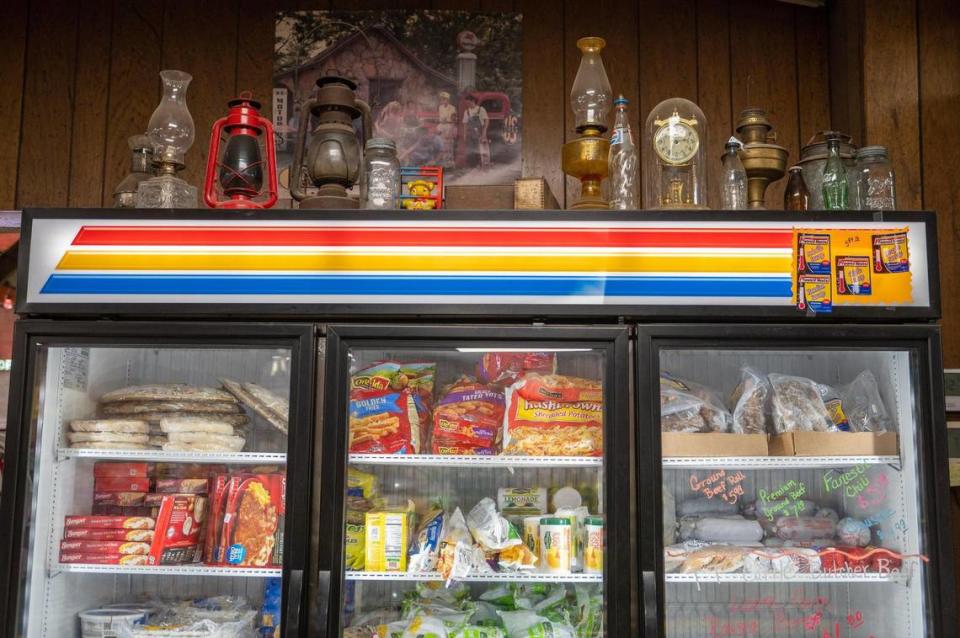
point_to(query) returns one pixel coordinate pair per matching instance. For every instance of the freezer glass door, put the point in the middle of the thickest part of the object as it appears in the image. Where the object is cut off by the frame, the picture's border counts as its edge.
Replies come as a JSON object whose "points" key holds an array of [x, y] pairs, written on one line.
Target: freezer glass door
{"points": [[792, 490], [155, 489], [476, 489]]}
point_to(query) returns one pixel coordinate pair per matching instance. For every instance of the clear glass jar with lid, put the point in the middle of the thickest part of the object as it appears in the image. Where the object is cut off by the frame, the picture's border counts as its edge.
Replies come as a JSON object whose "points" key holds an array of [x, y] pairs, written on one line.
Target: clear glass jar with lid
{"points": [[380, 179], [876, 185]]}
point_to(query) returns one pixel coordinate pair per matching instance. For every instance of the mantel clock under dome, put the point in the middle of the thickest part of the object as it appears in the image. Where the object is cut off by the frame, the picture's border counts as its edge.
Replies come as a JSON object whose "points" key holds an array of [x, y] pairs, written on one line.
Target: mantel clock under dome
{"points": [[675, 144]]}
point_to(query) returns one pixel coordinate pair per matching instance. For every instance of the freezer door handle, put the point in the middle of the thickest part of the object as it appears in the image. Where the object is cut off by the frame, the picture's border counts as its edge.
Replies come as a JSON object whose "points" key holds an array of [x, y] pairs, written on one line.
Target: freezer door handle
{"points": [[649, 586], [291, 624], [322, 603]]}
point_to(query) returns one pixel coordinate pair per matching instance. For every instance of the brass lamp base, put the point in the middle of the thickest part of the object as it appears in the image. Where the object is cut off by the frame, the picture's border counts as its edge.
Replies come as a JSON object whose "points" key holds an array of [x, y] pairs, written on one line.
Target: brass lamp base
{"points": [[585, 158]]}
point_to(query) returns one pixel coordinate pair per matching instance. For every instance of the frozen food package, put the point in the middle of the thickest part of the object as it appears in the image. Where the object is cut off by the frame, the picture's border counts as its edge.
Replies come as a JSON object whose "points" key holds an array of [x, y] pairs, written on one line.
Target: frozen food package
{"points": [[552, 427], [526, 623], [715, 559], [804, 528], [180, 520], [368, 483], [750, 402], [504, 368], [384, 422], [110, 522], [796, 560], [689, 407], [669, 517], [468, 419], [418, 377], [167, 392], [727, 529], [797, 405], [863, 405], [522, 501], [253, 513], [854, 532], [355, 546], [834, 405], [676, 554], [105, 547], [701, 506], [491, 531], [94, 534], [557, 387], [385, 543], [425, 547]]}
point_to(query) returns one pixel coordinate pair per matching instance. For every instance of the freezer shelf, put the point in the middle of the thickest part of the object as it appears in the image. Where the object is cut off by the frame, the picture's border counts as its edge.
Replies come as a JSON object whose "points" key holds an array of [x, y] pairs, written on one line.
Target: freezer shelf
{"points": [[779, 462], [440, 460], [501, 577], [787, 578], [159, 456], [169, 570]]}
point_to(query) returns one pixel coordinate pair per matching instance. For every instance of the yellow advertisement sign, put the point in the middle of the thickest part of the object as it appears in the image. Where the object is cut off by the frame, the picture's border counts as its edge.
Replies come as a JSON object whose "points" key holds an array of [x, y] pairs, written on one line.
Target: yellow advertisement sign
{"points": [[844, 267]]}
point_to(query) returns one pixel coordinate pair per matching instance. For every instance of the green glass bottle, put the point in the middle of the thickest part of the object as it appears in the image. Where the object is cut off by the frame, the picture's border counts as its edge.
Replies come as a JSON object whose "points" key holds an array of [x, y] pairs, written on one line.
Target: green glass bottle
{"points": [[834, 186]]}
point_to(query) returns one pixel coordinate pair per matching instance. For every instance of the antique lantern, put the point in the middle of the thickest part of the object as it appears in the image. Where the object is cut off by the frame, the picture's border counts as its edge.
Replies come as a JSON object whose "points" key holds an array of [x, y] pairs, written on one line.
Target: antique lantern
{"points": [[235, 164], [333, 154]]}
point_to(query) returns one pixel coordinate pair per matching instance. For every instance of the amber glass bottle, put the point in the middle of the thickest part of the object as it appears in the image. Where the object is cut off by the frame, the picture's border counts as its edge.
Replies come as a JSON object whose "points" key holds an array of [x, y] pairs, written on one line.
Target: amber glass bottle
{"points": [[796, 196]]}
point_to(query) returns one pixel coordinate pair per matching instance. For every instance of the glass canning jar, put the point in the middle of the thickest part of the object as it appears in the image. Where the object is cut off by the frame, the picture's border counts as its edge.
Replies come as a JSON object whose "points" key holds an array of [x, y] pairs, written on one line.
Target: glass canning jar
{"points": [[380, 180], [876, 187]]}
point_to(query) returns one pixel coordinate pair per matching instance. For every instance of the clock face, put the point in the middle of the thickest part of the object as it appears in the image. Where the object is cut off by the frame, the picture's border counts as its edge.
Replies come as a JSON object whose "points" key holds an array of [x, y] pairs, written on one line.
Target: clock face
{"points": [[676, 142]]}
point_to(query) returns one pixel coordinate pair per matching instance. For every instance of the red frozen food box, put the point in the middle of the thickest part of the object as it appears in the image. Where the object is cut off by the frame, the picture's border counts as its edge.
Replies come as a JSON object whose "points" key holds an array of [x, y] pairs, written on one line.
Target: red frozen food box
{"points": [[100, 509], [103, 559], [121, 484], [110, 522], [93, 534], [198, 485], [103, 469], [104, 547], [219, 487], [179, 523], [252, 534], [123, 499]]}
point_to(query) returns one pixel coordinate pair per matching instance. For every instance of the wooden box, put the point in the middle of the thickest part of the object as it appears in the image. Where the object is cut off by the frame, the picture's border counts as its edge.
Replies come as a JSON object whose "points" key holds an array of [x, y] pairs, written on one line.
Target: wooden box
{"points": [[674, 444], [533, 193], [472, 197], [835, 444]]}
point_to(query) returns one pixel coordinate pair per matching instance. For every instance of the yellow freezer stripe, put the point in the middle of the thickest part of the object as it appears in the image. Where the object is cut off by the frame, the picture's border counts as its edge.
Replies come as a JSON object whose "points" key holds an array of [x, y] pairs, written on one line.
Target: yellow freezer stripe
{"points": [[89, 260]]}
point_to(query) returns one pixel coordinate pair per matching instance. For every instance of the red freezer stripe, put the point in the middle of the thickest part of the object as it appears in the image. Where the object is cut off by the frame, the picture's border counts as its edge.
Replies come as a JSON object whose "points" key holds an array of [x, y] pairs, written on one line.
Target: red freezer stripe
{"points": [[426, 236]]}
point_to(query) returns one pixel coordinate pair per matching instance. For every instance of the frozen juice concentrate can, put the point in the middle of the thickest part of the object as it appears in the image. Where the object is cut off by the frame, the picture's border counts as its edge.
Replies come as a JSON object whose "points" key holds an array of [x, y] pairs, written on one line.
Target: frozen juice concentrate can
{"points": [[531, 534], [593, 545], [556, 542]]}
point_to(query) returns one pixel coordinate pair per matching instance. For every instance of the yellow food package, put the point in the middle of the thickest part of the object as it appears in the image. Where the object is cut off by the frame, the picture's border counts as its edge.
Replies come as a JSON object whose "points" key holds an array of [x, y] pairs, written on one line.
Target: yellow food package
{"points": [[354, 546], [386, 539], [364, 480]]}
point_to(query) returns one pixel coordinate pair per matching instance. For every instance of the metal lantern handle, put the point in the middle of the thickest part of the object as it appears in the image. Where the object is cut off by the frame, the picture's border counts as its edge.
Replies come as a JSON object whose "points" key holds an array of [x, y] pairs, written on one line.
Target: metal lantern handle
{"points": [[270, 142], [209, 181], [297, 168]]}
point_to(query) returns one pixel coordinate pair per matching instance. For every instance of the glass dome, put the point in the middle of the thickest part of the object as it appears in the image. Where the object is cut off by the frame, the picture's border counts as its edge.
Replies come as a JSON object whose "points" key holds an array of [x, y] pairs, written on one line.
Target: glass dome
{"points": [[674, 152]]}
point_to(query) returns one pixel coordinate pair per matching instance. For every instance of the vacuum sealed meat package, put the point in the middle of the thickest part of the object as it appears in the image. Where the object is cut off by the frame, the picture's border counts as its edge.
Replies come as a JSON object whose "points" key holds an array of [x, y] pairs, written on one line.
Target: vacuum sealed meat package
{"points": [[804, 528], [863, 405], [726, 529], [689, 407], [798, 406], [750, 402]]}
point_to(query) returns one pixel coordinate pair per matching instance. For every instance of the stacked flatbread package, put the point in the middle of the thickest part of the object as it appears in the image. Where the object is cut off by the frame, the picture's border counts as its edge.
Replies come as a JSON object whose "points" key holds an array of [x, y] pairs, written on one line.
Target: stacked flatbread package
{"points": [[178, 418]]}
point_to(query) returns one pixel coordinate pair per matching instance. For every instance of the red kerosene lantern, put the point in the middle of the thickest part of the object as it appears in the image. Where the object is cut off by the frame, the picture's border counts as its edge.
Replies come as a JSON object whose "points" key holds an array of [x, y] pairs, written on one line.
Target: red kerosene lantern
{"points": [[235, 165]]}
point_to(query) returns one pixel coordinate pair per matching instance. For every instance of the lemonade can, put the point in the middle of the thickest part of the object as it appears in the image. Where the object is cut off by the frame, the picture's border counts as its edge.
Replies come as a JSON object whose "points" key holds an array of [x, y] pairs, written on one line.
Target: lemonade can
{"points": [[556, 541], [593, 545]]}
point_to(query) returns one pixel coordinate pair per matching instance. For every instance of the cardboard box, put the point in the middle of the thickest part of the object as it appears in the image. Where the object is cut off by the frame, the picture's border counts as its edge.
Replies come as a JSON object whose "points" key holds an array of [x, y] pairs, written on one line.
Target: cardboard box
{"points": [[533, 193], [487, 197], [675, 444], [835, 444]]}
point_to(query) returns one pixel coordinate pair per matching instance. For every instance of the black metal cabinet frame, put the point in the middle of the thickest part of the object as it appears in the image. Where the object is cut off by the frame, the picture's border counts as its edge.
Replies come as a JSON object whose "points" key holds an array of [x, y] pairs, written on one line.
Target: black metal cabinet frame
{"points": [[612, 341], [922, 342], [31, 335]]}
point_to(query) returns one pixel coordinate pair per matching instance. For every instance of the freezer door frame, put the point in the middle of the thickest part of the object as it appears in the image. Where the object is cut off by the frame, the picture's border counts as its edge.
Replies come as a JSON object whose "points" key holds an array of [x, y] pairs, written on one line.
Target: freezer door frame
{"points": [[30, 335], [923, 343], [612, 340]]}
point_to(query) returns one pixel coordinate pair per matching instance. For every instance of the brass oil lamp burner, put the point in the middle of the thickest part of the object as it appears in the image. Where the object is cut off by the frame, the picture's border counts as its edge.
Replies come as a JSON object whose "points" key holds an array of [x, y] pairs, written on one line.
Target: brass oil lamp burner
{"points": [[586, 158], [333, 161], [764, 161]]}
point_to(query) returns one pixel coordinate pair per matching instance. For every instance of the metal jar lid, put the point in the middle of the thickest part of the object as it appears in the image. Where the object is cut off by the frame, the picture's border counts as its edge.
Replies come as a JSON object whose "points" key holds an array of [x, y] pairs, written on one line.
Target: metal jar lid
{"points": [[381, 143], [816, 148], [872, 152]]}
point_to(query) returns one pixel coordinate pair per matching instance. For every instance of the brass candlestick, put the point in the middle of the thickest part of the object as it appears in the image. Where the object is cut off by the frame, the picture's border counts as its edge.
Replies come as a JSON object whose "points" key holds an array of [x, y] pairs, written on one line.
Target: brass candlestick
{"points": [[586, 158], [764, 162]]}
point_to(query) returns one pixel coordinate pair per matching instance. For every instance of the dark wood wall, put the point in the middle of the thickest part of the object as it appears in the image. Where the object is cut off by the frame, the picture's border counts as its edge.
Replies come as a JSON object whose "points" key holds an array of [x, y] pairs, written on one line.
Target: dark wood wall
{"points": [[79, 76]]}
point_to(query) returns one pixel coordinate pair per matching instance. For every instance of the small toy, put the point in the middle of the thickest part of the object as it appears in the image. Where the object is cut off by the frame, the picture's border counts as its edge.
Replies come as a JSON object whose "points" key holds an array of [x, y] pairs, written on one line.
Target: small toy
{"points": [[422, 187]]}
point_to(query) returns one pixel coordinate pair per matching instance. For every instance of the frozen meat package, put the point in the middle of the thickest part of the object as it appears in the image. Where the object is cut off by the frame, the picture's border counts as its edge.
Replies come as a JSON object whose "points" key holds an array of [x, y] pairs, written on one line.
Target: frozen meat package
{"points": [[690, 407]]}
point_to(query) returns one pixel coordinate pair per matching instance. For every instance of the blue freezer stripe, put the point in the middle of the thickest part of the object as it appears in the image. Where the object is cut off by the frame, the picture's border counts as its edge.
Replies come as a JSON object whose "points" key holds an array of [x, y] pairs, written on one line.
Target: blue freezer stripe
{"points": [[413, 286]]}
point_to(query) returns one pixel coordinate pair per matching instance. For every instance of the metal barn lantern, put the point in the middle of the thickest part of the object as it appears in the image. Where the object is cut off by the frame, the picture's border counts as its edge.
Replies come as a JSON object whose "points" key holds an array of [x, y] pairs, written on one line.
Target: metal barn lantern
{"points": [[333, 154], [236, 166]]}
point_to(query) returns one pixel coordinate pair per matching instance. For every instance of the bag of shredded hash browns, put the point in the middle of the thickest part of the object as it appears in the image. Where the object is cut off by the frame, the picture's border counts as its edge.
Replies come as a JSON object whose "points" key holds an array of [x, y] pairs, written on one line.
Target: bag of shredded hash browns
{"points": [[570, 423]]}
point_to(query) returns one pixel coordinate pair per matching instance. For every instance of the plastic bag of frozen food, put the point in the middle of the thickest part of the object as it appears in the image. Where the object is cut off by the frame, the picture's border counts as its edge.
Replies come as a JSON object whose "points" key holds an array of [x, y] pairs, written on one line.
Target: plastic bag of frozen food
{"points": [[834, 405], [690, 407], [554, 415], [804, 528], [750, 401], [719, 559], [504, 368], [452, 595], [489, 529], [517, 558], [853, 531], [425, 547], [477, 631], [529, 624], [864, 406], [590, 606], [459, 556], [468, 419], [355, 546], [199, 629], [797, 405]]}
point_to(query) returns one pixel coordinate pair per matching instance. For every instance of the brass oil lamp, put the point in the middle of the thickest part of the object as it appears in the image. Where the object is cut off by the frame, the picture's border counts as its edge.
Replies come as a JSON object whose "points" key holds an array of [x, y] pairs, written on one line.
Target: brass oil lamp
{"points": [[586, 158], [333, 160], [764, 161]]}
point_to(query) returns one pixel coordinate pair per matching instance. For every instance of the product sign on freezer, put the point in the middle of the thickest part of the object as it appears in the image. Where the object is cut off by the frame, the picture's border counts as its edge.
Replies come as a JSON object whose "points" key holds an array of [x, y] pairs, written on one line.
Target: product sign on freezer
{"points": [[370, 264]]}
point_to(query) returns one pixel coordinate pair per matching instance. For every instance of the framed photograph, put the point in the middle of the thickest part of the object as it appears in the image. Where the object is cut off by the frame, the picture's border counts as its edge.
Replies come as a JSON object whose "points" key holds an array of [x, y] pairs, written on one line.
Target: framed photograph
{"points": [[445, 86]]}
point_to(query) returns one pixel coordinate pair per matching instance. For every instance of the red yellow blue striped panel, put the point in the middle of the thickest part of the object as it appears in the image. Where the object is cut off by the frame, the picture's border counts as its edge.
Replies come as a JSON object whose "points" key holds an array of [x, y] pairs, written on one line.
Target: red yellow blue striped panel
{"points": [[427, 262]]}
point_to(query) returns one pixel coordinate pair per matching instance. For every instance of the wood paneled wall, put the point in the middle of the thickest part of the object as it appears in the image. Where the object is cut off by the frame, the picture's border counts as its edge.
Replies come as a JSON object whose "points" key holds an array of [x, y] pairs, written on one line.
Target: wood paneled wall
{"points": [[79, 76]]}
